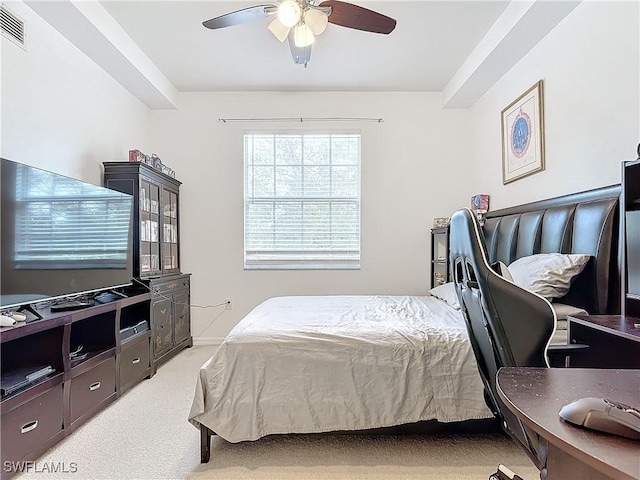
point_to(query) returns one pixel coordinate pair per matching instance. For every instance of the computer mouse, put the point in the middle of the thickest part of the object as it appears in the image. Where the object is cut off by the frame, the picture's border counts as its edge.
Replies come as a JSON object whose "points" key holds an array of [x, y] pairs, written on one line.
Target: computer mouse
{"points": [[603, 415]]}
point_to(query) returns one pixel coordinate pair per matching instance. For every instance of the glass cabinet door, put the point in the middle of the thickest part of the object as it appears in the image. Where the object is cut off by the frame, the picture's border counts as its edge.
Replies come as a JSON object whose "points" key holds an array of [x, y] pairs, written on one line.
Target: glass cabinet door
{"points": [[170, 231], [149, 228], [156, 234]]}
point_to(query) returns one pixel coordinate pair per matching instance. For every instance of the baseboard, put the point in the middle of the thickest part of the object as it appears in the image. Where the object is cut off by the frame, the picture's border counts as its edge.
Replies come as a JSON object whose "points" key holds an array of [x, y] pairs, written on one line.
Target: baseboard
{"points": [[207, 341]]}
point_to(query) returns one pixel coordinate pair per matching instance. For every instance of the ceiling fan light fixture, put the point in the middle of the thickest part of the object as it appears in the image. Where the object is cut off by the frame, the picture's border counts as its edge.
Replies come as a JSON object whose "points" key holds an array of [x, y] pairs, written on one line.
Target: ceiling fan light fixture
{"points": [[316, 20], [300, 21], [278, 29], [302, 36], [289, 13]]}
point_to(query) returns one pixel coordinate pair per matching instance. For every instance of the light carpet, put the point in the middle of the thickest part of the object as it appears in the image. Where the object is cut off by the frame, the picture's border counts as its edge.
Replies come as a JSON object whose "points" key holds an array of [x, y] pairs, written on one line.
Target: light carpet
{"points": [[145, 435]]}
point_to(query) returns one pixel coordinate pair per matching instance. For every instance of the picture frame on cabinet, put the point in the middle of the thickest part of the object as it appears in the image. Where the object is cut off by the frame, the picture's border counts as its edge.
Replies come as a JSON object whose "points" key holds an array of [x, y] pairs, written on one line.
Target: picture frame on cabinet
{"points": [[523, 135]]}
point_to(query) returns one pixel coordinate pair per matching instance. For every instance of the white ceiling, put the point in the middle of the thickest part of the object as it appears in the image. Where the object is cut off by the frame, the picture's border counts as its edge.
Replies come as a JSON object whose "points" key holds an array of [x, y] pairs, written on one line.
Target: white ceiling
{"points": [[159, 48], [429, 44]]}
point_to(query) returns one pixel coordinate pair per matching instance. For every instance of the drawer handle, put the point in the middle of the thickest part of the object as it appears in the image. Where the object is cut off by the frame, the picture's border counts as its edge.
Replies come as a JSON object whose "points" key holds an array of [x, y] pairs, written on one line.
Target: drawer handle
{"points": [[135, 360], [27, 427], [94, 386]]}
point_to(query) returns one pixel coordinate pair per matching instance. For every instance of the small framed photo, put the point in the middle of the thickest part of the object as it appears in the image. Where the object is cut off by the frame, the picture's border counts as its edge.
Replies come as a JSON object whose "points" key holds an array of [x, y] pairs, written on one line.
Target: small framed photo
{"points": [[441, 222], [480, 203], [523, 135]]}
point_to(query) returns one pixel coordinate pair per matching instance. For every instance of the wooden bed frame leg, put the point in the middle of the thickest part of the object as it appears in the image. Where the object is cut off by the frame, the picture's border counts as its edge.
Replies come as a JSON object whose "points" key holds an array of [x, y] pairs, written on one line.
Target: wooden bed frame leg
{"points": [[205, 443]]}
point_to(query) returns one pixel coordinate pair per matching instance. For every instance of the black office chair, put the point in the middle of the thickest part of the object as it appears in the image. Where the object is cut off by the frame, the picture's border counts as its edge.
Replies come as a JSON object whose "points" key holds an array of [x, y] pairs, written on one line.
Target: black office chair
{"points": [[508, 326]]}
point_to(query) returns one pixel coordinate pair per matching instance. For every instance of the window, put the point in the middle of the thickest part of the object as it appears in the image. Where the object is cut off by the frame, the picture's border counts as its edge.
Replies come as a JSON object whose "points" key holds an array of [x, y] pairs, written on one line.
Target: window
{"points": [[302, 200]]}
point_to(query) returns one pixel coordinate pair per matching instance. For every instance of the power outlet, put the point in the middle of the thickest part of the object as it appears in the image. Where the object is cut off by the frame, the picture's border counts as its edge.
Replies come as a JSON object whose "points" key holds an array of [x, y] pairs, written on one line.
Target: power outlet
{"points": [[228, 304]]}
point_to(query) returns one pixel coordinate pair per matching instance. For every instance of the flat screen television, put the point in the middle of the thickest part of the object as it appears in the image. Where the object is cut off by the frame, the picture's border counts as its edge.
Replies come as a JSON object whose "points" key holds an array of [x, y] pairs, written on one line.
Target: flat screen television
{"points": [[60, 237]]}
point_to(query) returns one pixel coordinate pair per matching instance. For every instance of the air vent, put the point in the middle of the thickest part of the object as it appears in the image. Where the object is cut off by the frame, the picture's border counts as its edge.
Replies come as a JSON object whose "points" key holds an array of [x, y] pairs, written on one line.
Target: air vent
{"points": [[12, 26]]}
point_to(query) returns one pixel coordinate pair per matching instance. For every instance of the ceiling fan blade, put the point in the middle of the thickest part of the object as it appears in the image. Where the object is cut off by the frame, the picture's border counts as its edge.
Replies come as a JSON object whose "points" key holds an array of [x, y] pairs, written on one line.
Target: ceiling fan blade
{"points": [[352, 16], [241, 16], [301, 55]]}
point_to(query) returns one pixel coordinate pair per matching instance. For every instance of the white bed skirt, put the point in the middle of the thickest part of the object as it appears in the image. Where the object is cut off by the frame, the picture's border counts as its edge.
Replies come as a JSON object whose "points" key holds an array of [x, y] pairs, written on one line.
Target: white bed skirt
{"points": [[327, 363]]}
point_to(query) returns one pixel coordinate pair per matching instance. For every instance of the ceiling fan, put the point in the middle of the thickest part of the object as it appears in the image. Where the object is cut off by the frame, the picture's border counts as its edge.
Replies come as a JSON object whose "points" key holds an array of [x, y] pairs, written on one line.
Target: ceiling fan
{"points": [[300, 21]]}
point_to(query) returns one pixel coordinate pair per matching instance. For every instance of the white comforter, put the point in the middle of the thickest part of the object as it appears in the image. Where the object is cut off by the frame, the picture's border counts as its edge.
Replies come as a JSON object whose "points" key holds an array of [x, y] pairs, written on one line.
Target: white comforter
{"points": [[325, 363]]}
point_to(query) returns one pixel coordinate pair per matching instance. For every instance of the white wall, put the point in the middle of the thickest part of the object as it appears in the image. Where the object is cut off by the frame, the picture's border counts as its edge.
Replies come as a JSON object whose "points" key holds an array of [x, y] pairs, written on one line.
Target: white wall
{"points": [[408, 162], [60, 111], [590, 64]]}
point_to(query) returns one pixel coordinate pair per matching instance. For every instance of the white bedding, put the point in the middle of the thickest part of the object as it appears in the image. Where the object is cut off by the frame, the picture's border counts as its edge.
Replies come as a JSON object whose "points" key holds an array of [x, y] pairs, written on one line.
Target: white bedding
{"points": [[326, 363]]}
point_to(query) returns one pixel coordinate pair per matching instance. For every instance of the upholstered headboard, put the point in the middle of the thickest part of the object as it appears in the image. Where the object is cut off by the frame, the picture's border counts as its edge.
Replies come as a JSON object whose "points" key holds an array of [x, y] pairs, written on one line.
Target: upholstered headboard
{"points": [[585, 222]]}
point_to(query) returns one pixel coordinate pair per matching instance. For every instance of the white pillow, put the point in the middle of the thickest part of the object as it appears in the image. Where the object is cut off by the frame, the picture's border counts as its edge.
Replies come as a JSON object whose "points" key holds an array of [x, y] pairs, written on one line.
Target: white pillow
{"points": [[501, 269], [548, 274], [447, 293], [563, 311]]}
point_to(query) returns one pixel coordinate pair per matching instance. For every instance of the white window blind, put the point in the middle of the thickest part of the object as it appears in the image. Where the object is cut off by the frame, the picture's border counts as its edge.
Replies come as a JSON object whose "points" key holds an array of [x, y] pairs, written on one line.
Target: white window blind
{"points": [[302, 200]]}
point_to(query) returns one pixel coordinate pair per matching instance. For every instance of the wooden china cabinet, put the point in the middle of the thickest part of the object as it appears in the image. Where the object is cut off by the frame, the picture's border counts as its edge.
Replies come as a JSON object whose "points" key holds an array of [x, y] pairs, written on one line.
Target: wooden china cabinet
{"points": [[156, 255]]}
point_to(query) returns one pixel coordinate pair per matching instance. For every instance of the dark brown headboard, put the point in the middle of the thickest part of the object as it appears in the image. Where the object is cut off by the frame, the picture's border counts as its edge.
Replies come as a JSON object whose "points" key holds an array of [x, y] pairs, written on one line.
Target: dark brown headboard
{"points": [[585, 222]]}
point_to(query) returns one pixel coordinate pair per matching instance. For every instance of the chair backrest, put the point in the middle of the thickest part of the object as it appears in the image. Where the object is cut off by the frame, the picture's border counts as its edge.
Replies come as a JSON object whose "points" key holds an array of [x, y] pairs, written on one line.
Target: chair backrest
{"points": [[508, 325]]}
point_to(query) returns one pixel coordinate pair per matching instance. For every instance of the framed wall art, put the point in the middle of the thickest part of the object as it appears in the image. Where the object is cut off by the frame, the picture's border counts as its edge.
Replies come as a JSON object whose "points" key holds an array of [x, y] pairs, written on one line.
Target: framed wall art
{"points": [[523, 135]]}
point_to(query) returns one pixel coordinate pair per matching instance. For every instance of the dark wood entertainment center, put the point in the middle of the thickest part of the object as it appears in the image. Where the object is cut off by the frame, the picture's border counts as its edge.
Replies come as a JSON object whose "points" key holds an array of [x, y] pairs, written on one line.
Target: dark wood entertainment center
{"points": [[39, 414], [80, 361]]}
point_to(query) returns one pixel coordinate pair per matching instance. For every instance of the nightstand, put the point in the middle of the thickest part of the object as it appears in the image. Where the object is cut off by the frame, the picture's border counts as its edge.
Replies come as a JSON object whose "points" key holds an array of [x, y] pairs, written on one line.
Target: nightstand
{"points": [[614, 341]]}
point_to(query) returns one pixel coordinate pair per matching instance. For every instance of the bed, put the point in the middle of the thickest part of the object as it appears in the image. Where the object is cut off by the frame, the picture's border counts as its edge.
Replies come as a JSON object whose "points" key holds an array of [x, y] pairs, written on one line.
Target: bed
{"points": [[332, 363]]}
